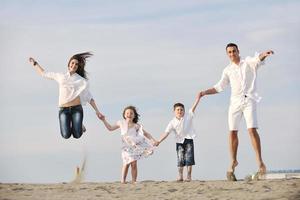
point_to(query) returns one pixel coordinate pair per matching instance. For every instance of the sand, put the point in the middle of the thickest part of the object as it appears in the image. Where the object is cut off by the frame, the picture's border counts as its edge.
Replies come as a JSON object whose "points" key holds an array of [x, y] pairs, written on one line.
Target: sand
{"points": [[214, 190]]}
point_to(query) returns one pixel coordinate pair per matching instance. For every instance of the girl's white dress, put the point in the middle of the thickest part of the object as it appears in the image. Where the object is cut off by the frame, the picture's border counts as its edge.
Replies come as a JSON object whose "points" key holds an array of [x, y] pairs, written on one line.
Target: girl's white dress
{"points": [[134, 144]]}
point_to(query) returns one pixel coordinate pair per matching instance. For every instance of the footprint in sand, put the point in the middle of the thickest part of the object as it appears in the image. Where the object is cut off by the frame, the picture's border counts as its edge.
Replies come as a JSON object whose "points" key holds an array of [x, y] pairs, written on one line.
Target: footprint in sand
{"points": [[172, 190]]}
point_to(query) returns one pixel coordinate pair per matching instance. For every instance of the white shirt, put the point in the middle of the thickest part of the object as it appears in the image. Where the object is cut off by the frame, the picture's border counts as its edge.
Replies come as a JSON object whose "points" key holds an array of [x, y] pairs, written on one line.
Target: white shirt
{"points": [[70, 87], [183, 128], [242, 79]]}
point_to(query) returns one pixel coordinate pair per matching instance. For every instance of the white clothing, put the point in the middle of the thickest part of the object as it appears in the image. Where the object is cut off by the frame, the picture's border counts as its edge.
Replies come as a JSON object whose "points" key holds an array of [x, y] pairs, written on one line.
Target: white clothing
{"points": [[70, 87], [246, 109], [242, 79], [183, 128], [134, 144]]}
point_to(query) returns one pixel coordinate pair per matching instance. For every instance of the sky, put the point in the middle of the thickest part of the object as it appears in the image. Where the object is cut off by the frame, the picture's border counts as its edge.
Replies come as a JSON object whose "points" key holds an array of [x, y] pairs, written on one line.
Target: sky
{"points": [[149, 54]]}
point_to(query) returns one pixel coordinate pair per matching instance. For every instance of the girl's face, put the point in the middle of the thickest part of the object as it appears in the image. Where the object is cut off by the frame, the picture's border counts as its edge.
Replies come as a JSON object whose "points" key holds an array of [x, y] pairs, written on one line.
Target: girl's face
{"points": [[129, 115], [73, 66]]}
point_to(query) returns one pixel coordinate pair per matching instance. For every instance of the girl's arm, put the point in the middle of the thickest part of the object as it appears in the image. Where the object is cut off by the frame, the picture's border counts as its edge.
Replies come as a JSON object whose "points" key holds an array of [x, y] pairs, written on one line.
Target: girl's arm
{"points": [[149, 136], [36, 65], [108, 125]]}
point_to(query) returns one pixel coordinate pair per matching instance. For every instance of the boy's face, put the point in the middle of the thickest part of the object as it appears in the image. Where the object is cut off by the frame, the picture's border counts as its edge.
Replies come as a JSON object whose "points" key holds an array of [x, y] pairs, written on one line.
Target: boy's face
{"points": [[179, 112]]}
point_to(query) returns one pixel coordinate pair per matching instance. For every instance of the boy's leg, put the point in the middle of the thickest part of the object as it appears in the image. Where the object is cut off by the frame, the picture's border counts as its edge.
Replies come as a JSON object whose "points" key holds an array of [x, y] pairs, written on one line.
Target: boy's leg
{"points": [[180, 174], [189, 173], [124, 172], [134, 171], [189, 157], [180, 160]]}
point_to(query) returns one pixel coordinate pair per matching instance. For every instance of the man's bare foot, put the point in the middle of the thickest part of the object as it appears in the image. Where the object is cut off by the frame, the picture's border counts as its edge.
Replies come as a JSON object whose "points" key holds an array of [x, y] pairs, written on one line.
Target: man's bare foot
{"points": [[123, 182], [262, 168], [233, 166]]}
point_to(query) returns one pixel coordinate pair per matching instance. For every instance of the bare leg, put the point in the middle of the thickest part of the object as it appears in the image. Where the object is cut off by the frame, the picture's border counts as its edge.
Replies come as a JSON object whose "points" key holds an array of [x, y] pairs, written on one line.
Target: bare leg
{"points": [[189, 173], [124, 172], [233, 147], [134, 171], [180, 174], [255, 139]]}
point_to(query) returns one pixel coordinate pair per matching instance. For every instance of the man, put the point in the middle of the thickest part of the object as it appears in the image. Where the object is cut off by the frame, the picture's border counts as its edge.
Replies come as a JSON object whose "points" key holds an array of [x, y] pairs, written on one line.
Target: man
{"points": [[241, 75]]}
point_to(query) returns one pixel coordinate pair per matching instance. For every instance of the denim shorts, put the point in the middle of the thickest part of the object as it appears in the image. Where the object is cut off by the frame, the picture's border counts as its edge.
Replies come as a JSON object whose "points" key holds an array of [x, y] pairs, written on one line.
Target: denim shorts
{"points": [[70, 121], [185, 153]]}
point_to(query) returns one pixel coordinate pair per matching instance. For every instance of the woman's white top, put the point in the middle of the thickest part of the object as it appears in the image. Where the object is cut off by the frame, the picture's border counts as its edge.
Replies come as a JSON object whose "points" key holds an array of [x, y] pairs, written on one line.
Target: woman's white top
{"points": [[70, 87]]}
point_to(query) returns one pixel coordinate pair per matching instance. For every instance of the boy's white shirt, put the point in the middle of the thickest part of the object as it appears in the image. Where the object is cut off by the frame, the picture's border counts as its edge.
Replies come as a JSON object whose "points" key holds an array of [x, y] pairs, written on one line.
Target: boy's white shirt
{"points": [[183, 128]]}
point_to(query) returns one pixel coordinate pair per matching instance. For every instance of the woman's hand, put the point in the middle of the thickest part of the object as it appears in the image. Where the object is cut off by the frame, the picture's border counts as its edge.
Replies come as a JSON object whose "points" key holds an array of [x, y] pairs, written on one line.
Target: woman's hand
{"points": [[100, 116], [32, 61]]}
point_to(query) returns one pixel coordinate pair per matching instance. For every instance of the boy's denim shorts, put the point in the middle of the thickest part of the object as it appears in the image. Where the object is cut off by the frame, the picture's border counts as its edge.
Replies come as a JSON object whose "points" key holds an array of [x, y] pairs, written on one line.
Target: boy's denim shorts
{"points": [[185, 153]]}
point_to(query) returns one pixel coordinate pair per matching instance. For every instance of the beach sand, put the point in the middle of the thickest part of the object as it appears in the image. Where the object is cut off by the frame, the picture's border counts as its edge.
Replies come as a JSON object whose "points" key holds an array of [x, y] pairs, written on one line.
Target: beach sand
{"points": [[288, 189]]}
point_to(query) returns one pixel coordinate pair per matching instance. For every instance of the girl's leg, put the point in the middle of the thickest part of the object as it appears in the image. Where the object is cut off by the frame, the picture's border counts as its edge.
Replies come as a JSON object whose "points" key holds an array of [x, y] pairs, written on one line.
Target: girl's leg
{"points": [[77, 118], [134, 171], [124, 172], [64, 116]]}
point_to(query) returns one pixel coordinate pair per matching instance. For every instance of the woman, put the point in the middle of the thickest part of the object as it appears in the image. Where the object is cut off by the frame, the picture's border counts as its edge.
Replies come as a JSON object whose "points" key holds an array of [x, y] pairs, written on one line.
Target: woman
{"points": [[73, 93]]}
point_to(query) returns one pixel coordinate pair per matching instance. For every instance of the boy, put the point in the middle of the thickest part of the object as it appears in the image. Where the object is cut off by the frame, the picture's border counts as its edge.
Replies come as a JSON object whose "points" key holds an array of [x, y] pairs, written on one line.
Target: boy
{"points": [[182, 126]]}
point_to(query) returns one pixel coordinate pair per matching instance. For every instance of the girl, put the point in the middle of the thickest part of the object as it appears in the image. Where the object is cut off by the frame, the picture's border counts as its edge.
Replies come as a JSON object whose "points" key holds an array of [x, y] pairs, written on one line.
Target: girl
{"points": [[73, 92], [134, 144]]}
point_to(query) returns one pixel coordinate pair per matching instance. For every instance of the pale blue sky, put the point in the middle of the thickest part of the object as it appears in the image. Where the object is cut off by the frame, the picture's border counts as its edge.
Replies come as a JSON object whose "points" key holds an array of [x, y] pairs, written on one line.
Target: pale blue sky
{"points": [[150, 54]]}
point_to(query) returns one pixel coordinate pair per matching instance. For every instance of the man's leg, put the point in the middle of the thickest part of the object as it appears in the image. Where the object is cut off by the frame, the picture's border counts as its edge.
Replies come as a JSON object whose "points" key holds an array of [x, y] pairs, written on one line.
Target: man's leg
{"points": [[233, 147], [255, 139]]}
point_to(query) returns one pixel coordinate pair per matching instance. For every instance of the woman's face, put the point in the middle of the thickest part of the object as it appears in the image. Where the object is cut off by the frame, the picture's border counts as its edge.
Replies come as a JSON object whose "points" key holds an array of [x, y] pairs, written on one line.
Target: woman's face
{"points": [[129, 115], [73, 66]]}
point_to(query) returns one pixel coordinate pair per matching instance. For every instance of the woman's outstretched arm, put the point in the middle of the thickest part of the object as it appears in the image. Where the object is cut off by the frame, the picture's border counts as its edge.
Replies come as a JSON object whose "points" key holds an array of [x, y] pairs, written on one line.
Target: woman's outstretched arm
{"points": [[36, 65]]}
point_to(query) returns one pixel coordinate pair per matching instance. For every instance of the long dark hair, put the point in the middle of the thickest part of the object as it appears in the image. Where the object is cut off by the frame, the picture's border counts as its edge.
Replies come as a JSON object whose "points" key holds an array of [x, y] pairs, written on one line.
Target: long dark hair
{"points": [[136, 115], [81, 57]]}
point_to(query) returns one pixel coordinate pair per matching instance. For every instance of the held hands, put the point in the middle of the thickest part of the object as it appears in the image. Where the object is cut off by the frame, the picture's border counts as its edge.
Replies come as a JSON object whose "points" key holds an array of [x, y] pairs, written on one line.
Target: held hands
{"points": [[100, 116]]}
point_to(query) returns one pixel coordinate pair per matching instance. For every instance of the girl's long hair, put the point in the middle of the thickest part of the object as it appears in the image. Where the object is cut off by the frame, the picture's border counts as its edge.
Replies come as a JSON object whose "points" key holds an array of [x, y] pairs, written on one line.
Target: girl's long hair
{"points": [[136, 115], [82, 58]]}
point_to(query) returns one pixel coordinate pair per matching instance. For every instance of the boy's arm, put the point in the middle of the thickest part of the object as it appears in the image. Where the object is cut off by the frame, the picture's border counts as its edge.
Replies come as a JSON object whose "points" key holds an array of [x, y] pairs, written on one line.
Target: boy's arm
{"points": [[163, 137], [108, 125], [196, 102], [265, 54]]}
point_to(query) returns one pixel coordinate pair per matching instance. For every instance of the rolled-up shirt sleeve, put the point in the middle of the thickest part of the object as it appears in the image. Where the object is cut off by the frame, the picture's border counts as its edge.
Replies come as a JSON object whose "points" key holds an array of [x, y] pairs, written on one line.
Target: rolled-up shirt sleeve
{"points": [[254, 62], [50, 75], [85, 96], [222, 84]]}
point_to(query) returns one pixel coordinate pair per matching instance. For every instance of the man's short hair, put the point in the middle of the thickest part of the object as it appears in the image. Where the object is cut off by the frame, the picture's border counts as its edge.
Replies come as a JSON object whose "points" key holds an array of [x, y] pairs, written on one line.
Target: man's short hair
{"points": [[178, 105], [232, 45]]}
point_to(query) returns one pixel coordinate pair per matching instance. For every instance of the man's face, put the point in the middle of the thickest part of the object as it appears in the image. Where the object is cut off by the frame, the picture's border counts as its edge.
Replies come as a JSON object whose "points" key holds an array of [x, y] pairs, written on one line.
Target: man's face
{"points": [[179, 112], [233, 53]]}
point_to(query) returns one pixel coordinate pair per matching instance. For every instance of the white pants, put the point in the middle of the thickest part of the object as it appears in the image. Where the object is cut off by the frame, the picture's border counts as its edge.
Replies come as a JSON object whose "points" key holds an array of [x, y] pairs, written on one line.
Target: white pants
{"points": [[247, 108]]}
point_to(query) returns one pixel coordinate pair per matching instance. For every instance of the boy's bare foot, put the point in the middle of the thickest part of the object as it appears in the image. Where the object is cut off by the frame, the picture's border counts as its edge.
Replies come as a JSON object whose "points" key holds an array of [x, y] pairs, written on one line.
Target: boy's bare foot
{"points": [[233, 166], [188, 179]]}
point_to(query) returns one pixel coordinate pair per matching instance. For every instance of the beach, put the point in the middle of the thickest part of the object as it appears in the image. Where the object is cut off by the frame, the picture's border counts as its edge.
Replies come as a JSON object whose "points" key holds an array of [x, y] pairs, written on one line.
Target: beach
{"points": [[288, 189]]}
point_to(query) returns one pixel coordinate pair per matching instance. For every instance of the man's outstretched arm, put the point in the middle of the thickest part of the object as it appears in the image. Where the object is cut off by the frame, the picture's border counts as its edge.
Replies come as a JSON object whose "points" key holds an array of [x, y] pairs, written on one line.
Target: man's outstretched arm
{"points": [[265, 54]]}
